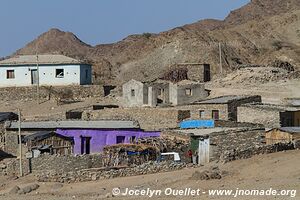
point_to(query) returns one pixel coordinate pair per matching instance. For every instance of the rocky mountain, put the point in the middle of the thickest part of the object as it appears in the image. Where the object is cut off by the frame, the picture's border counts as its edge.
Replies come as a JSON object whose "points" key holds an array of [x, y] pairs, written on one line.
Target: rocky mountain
{"points": [[257, 33]]}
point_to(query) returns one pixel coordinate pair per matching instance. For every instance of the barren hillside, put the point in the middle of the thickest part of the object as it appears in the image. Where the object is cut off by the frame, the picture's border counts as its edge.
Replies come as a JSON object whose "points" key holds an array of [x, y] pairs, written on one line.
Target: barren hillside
{"points": [[259, 32]]}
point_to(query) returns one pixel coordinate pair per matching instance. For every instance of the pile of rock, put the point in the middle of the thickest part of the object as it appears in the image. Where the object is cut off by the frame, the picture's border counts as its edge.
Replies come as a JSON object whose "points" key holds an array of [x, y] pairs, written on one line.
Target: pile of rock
{"points": [[98, 174], [212, 173], [25, 190]]}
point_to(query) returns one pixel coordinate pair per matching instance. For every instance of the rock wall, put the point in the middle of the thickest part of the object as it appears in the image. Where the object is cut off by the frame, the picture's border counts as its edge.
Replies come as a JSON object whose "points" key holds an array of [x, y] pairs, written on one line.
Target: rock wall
{"points": [[235, 140], [29, 93], [232, 155], [148, 118], [98, 174], [268, 117]]}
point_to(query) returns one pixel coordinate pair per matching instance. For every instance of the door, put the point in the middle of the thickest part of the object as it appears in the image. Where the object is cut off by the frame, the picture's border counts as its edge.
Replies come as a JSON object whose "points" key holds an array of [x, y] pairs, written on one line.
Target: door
{"points": [[215, 115], [203, 151], [85, 145], [34, 77]]}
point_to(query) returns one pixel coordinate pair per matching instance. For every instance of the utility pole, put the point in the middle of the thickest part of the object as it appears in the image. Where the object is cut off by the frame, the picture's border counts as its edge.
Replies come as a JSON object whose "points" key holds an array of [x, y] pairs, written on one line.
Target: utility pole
{"points": [[20, 144], [38, 78], [220, 54]]}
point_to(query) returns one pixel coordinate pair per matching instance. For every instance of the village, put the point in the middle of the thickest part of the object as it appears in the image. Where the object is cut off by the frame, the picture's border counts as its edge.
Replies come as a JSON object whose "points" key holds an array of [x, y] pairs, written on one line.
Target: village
{"points": [[171, 123]]}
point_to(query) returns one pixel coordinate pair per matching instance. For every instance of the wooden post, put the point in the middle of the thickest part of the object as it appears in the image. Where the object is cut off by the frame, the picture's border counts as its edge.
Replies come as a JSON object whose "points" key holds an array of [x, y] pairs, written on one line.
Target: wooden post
{"points": [[20, 144], [38, 79], [220, 54]]}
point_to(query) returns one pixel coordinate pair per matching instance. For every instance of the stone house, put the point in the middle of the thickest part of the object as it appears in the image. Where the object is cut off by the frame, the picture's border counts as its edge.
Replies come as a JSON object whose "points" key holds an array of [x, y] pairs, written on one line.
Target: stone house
{"points": [[138, 94], [199, 72], [55, 70], [271, 116], [219, 108], [283, 135], [89, 136]]}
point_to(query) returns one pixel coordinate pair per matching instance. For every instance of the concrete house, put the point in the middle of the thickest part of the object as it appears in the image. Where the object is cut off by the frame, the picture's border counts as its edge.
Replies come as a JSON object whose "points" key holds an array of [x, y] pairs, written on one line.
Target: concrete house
{"points": [[220, 108], [138, 94], [56, 70], [89, 136], [271, 116]]}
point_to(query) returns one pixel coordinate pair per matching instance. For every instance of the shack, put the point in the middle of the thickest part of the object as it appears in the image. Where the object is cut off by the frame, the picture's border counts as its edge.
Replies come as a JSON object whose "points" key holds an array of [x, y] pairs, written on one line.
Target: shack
{"points": [[49, 142], [283, 135]]}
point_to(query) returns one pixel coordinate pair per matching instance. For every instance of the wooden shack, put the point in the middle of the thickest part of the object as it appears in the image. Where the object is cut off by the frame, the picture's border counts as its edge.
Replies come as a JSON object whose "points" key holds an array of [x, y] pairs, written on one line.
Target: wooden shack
{"points": [[283, 135], [50, 142]]}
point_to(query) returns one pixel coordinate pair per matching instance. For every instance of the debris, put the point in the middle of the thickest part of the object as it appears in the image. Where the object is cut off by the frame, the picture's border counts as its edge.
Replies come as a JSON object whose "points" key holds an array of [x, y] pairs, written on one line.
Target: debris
{"points": [[14, 190]]}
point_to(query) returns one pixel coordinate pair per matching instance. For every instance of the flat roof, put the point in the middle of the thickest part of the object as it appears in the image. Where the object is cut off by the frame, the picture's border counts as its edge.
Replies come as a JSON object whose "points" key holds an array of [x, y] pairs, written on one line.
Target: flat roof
{"points": [[223, 99], [288, 129], [103, 124], [44, 59], [275, 107]]}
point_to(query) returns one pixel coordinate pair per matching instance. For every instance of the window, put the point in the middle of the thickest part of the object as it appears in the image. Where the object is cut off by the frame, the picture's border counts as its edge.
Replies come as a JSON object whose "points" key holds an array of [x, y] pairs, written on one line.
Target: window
{"points": [[132, 139], [188, 92], [86, 74], [59, 73], [201, 114], [120, 139], [10, 74], [133, 93], [215, 115]]}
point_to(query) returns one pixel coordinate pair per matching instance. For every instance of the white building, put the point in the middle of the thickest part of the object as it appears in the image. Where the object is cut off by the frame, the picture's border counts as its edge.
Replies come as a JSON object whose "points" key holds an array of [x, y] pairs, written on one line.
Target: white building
{"points": [[56, 70]]}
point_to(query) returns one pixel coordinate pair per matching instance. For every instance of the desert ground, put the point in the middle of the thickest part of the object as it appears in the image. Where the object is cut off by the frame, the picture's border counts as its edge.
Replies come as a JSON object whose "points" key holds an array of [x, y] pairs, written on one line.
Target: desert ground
{"points": [[278, 171]]}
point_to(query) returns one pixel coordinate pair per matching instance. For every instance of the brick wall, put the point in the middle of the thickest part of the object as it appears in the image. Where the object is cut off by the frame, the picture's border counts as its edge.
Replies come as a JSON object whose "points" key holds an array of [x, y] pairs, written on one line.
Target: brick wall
{"points": [[208, 108]]}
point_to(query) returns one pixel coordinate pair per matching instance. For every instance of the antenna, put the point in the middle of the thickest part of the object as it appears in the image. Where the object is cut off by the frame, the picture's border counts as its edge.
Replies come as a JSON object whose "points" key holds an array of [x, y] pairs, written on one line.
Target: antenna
{"points": [[220, 54]]}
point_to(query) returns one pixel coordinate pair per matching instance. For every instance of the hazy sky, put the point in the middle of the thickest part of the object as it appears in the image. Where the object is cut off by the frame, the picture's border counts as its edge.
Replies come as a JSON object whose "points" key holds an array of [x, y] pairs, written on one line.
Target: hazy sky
{"points": [[101, 21]]}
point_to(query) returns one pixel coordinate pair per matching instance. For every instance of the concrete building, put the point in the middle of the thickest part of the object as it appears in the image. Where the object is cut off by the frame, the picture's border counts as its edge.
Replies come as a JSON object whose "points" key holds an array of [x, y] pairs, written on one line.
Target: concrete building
{"points": [[283, 135], [56, 70], [271, 116], [137, 94], [220, 108]]}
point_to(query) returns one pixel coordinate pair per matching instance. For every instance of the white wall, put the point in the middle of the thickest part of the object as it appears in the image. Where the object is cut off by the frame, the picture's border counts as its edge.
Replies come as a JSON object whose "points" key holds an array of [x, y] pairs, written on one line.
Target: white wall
{"points": [[72, 74]]}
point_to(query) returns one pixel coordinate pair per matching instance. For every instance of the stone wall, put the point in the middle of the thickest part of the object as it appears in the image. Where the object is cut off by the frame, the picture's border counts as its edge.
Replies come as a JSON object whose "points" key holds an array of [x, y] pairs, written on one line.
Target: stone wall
{"points": [[97, 174], [235, 140], [268, 117], [207, 108], [245, 153], [29, 93], [148, 118]]}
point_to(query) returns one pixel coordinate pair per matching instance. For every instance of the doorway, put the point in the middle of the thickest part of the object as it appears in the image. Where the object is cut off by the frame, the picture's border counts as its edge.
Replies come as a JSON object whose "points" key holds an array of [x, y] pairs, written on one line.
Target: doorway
{"points": [[34, 76], [85, 145]]}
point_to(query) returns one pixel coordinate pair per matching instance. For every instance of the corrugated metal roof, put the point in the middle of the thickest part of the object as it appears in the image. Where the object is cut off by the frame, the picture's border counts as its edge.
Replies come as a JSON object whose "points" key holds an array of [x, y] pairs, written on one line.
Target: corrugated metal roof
{"points": [[105, 124], [43, 135], [42, 59], [222, 100], [290, 129]]}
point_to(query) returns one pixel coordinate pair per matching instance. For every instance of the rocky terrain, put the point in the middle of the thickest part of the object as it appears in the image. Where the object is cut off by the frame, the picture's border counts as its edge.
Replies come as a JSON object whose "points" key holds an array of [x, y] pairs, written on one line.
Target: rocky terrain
{"points": [[257, 33]]}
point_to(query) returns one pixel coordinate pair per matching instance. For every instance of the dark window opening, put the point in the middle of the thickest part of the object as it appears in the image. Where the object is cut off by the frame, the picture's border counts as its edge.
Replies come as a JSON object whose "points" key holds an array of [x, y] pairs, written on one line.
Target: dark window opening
{"points": [[132, 93], [215, 115], [86, 74], [120, 139], [59, 73], [10, 74], [132, 139]]}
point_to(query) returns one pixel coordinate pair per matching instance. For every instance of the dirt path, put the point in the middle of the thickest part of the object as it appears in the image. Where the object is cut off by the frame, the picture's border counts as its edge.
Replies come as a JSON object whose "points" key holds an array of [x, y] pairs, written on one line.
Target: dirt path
{"points": [[278, 171]]}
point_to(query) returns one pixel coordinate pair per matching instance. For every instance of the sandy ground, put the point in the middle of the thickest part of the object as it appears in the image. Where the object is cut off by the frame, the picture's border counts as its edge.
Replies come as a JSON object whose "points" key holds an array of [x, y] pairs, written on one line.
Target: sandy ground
{"points": [[278, 171]]}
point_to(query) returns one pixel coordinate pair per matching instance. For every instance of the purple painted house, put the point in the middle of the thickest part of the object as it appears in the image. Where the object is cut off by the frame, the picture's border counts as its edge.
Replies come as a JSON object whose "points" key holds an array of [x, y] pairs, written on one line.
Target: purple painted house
{"points": [[93, 140], [90, 136]]}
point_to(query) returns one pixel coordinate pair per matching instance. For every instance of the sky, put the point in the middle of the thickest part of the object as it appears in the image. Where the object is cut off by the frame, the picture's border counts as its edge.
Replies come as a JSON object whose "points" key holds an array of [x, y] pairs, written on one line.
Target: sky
{"points": [[101, 21]]}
